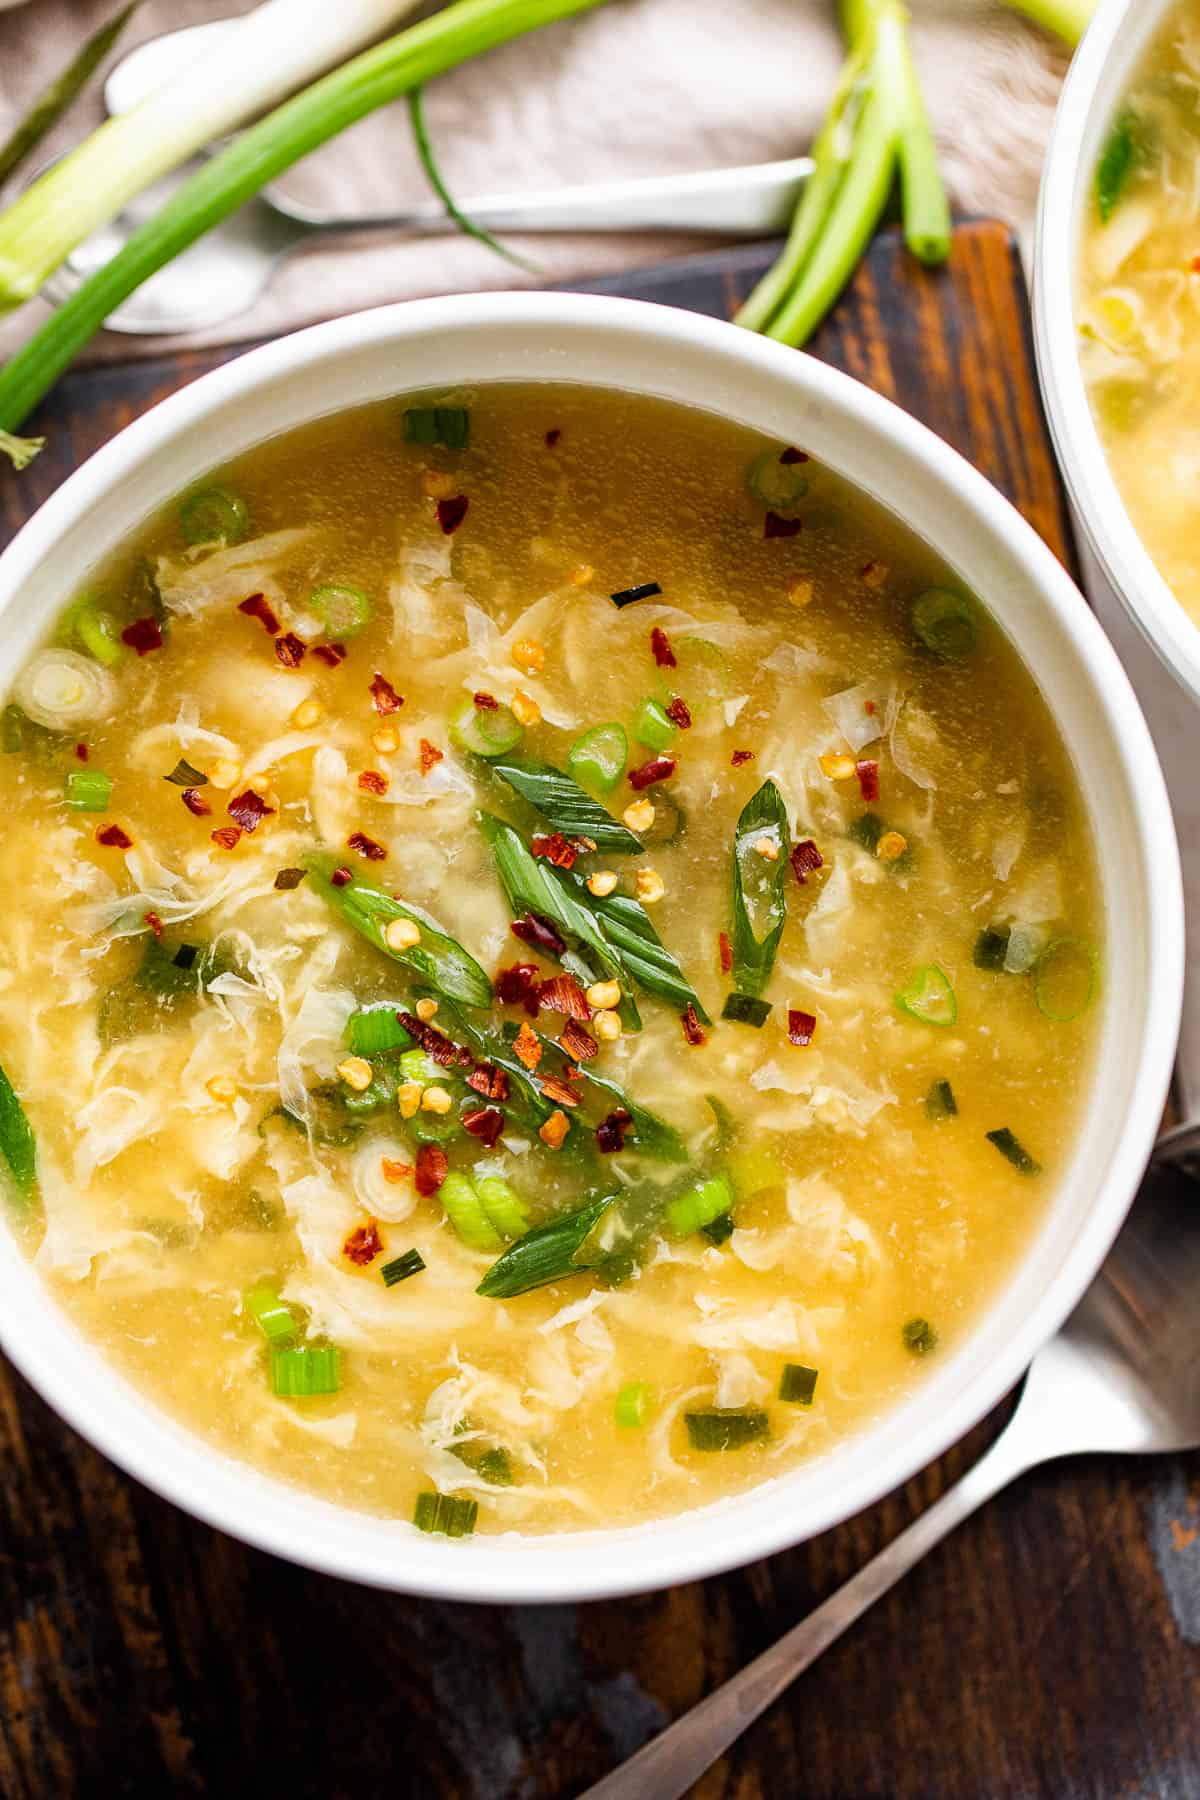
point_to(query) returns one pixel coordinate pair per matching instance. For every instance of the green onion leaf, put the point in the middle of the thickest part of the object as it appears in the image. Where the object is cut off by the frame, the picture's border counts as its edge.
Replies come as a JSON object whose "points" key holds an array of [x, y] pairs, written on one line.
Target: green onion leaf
{"points": [[185, 776], [797, 1384], [759, 908], [341, 609], [645, 959], [448, 425], [940, 1102], [402, 1268], [627, 596], [991, 948], [305, 1371], [944, 622], [486, 731], [97, 631], [775, 484], [433, 175], [564, 805], [867, 830], [66, 86], [647, 1133], [274, 1319], [88, 790], [446, 1513], [18, 1146], [929, 997], [531, 885], [718, 1231], [1064, 979], [214, 516], [633, 1406], [545, 1254], [726, 1428], [374, 1028], [435, 958], [652, 727], [1014, 1150], [1116, 163], [744, 1009], [919, 1337], [598, 758], [698, 1208]]}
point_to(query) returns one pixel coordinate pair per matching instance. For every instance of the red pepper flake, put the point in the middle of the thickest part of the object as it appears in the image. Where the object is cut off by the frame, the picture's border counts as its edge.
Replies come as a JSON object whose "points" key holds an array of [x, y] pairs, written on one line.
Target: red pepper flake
{"points": [[868, 779], [486, 1123], [341, 878], [801, 1026], [870, 707], [113, 838], [577, 1042], [249, 810], [452, 512], [155, 923], [486, 702], [488, 1080], [433, 1042], [659, 768], [725, 951], [257, 607], [143, 636], [610, 1132], [693, 1031], [552, 437], [517, 986], [558, 1091], [526, 1046], [386, 699], [226, 837], [534, 929], [195, 804], [660, 643], [366, 846], [563, 994], [792, 455], [364, 1244], [430, 755], [775, 526], [1196, 265], [372, 782], [555, 849], [81, 751], [741, 756], [290, 650], [805, 860], [433, 1166], [330, 654], [680, 713]]}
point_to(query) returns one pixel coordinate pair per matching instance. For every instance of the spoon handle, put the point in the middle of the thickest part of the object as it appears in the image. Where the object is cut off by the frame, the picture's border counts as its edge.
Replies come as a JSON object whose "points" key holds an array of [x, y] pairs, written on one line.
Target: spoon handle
{"points": [[669, 1765]]}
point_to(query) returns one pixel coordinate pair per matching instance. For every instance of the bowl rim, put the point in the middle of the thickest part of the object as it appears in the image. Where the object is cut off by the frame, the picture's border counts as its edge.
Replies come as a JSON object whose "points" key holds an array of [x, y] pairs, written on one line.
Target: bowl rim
{"points": [[1099, 75], [264, 1512]]}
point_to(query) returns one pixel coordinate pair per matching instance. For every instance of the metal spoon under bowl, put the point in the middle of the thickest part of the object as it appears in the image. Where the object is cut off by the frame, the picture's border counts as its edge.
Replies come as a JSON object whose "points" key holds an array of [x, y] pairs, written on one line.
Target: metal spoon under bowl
{"points": [[1123, 1375]]}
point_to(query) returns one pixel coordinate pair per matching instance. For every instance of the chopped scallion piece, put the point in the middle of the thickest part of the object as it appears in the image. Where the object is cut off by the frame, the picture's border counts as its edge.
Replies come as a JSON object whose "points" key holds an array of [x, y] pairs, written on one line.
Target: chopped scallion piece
{"points": [[342, 610], [503, 1206], [1011, 1147], [699, 1205], [273, 1318], [744, 1009], [627, 596], [213, 516], [448, 1514], [652, 727], [88, 790], [375, 1028], [486, 730], [467, 1214], [447, 425], [719, 1230], [1116, 163], [401, 1268], [1064, 979], [545, 1254], [18, 1146], [944, 622], [919, 1337], [597, 759], [758, 904], [633, 1405], [940, 1102], [797, 1384], [185, 776], [929, 997], [418, 1065], [867, 830], [98, 632], [774, 483], [991, 947], [724, 1428], [305, 1371]]}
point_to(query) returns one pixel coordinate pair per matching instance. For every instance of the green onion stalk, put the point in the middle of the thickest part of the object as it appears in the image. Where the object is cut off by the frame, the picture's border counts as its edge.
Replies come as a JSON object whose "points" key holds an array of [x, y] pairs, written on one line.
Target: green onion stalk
{"points": [[388, 71], [1068, 19]]}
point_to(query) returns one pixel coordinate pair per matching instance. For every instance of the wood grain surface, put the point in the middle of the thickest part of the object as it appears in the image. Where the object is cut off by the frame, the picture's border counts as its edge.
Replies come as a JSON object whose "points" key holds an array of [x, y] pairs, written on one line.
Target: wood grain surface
{"points": [[1052, 1647]]}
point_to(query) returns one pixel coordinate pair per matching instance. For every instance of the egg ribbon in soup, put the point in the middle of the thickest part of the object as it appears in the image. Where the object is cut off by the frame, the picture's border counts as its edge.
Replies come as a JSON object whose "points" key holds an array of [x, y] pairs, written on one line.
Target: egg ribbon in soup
{"points": [[546, 949]]}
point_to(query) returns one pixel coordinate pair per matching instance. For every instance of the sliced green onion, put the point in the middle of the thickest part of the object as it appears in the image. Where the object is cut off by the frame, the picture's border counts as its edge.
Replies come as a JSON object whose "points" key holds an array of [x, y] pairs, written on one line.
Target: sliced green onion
{"points": [[448, 425], [699, 1206], [867, 830], [486, 730], [273, 1318], [726, 1428], [466, 1213], [503, 1206], [1116, 164], [627, 596], [432, 1128], [744, 1009], [564, 804], [797, 1384], [446, 1513], [375, 1028], [545, 1254], [991, 948], [302, 1372], [1064, 979], [53, 101], [944, 622], [88, 790], [342, 610], [633, 1405], [652, 727], [435, 958], [495, 1466], [213, 516], [919, 1337], [598, 759], [1011, 1147], [775, 484], [18, 1146], [759, 908], [755, 1168], [929, 997], [719, 1230], [402, 1268], [418, 1065], [940, 1102], [98, 632], [184, 775]]}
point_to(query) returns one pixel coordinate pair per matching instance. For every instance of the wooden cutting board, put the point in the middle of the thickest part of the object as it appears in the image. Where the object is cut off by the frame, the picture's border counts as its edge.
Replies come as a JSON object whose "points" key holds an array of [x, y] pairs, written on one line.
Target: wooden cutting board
{"points": [[1052, 1647]]}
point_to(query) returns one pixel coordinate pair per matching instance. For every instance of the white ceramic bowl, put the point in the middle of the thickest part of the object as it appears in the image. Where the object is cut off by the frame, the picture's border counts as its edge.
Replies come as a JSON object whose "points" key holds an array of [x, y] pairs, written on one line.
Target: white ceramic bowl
{"points": [[1099, 76], [655, 350]]}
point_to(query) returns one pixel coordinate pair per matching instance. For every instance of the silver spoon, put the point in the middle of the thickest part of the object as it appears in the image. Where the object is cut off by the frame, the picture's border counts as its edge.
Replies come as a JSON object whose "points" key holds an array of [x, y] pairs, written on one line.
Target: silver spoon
{"points": [[1123, 1374], [230, 267]]}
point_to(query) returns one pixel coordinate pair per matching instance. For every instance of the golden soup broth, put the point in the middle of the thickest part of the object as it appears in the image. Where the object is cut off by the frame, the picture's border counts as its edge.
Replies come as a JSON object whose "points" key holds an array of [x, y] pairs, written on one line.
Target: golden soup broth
{"points": [[172, 1180], [1139, 302]]}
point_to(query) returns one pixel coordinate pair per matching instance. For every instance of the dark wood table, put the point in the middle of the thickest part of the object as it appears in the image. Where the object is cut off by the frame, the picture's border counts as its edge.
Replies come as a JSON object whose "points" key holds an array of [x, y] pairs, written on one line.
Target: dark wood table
{"points": [[1052, 1647]]}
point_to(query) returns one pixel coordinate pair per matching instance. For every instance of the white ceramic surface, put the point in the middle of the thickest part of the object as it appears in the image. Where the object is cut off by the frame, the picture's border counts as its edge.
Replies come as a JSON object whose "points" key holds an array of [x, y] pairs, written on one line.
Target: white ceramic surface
{"points": [[1099, 77], [677, 355]]}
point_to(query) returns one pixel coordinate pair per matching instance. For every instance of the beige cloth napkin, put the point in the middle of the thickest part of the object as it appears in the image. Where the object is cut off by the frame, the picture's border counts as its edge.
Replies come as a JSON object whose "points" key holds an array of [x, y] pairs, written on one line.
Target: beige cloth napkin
{"points": [[634, 87]]}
